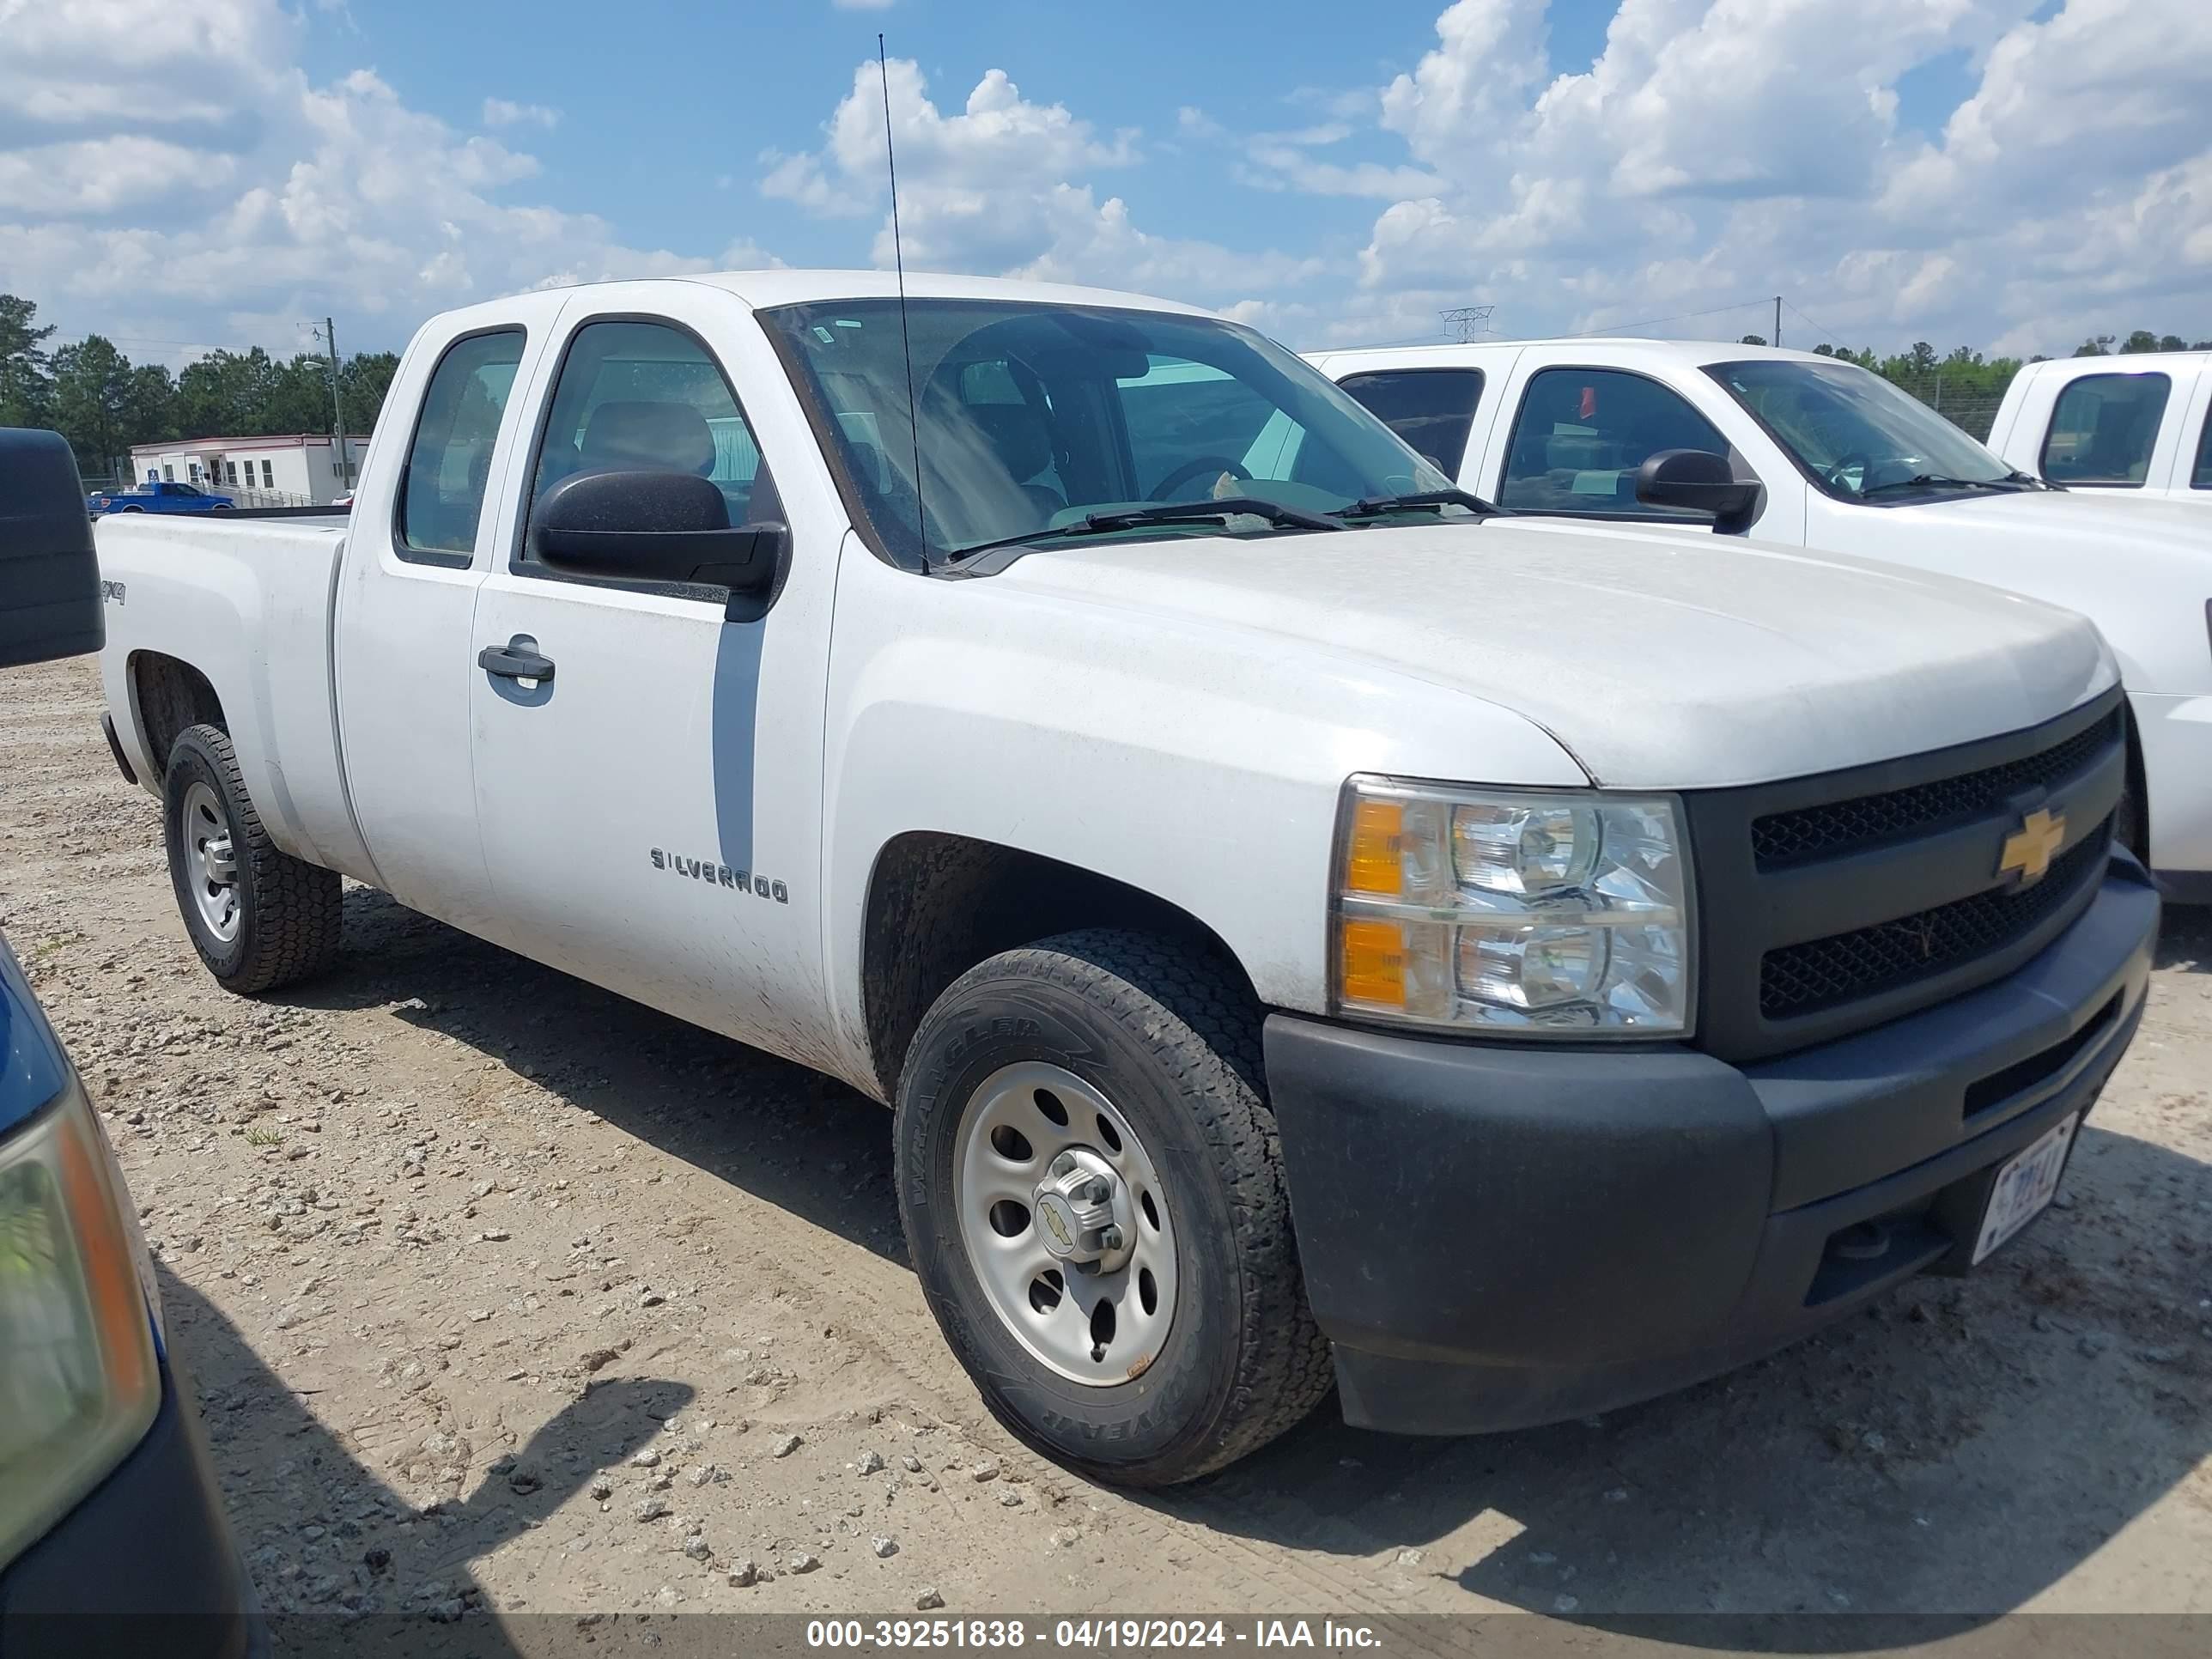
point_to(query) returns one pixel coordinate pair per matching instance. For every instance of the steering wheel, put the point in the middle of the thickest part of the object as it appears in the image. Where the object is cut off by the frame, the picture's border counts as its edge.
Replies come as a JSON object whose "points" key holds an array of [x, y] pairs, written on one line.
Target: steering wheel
{"points": [[1165, 488], [1844, 464]]}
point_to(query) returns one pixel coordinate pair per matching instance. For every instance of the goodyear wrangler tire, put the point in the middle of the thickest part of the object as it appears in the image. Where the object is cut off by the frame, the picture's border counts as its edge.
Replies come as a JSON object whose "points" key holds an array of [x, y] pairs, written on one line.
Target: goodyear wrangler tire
{"points": [[1091, 1186], [258, 917]]}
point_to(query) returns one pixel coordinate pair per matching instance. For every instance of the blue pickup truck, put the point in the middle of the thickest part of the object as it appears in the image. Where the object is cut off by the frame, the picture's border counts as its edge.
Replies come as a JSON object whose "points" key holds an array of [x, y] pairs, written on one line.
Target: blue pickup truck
{"points": [[157, 495], [110, 1519]]}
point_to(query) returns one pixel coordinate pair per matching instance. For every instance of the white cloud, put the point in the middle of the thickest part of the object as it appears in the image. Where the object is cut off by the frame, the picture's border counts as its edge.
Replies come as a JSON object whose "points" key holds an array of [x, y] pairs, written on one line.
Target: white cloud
{"points": [[503, 113], [1001, 185], [194, 183], [1717, 148]]}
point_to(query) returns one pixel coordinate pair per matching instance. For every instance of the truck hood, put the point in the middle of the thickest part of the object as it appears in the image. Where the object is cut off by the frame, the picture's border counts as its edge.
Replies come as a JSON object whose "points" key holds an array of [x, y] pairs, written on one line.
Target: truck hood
{"points": [[1664, 660], [2074, 517]]}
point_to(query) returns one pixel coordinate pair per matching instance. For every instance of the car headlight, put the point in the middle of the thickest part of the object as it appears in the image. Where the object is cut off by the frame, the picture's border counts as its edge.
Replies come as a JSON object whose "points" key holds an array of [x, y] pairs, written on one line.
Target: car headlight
{"points": [[1541, 913], [79, 1380]]}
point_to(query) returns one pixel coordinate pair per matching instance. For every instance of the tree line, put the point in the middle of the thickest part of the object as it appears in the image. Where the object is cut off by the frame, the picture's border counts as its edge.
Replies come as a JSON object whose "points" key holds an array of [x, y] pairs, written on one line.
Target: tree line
{"points": [[103, 403], [94, 396]]}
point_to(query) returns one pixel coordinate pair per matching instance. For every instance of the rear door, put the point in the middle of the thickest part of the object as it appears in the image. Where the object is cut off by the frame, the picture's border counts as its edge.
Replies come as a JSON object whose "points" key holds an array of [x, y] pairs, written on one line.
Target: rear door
{"points": [[416, 551], [651, 812]]}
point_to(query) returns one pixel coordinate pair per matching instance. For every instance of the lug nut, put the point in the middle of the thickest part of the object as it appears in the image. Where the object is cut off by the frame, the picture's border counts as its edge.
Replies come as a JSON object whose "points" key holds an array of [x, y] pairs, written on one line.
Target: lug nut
{"points": [[1109, 1238], [1063, 1163], [1098, 1191]]}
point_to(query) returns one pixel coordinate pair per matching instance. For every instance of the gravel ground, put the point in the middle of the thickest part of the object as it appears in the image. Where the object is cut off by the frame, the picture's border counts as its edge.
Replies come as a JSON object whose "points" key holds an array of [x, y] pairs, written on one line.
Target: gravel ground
{"points": [[501, 1292]]}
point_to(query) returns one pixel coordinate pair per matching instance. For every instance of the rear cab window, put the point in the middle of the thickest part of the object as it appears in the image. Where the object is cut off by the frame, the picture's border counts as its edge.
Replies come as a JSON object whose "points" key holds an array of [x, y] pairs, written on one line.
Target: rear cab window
{"points": [[1431, 409], [441, 493], [2104, 428], [2200, 475], [1581, 435]]}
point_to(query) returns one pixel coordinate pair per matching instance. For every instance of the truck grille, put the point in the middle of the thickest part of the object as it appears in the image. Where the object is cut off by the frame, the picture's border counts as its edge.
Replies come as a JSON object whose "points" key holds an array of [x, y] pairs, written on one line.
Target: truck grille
{"points": [[1866, 961], [1843, 826], [1838, 902]]}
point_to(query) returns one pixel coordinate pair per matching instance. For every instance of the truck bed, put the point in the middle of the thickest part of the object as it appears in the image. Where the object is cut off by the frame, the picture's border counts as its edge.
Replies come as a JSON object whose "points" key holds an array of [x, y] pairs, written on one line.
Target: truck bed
{"points": [[248, 601]]}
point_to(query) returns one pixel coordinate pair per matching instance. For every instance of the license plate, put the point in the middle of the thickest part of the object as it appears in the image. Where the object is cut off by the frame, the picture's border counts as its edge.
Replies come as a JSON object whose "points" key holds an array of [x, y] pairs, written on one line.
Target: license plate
{"points": [[2025, 1187]]}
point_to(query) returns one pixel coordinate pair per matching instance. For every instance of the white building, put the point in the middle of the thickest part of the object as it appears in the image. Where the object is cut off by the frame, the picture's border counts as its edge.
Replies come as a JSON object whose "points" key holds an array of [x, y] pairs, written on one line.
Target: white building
{"points": [[297, 469]]}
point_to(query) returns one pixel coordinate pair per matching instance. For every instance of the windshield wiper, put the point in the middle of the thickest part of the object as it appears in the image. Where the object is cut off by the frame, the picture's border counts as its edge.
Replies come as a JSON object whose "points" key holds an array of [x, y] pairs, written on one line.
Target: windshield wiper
{"points": [[1221, 511], [1937, 481], [1374, 507]]}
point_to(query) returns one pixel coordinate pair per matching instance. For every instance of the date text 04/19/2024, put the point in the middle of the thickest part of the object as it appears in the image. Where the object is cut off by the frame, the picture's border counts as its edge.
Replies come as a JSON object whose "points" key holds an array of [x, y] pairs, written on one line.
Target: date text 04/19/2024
{"points": [[1087, 1635]]}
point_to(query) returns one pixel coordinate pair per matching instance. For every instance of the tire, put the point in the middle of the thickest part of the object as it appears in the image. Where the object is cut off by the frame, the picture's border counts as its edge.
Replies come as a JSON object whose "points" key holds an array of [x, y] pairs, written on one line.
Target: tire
{"points": [[280, 922], [1163, 1038]]}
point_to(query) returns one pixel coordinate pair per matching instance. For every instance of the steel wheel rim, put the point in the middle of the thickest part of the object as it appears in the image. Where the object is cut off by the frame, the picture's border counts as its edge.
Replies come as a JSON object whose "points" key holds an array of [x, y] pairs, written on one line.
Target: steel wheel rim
{"points": [[210, 861], [1051, 1303]]}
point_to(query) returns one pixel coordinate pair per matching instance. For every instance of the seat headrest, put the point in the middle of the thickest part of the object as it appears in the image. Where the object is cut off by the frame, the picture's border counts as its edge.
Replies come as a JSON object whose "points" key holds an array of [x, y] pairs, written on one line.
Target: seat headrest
{"points": [[674, 437], [1017, 435]]}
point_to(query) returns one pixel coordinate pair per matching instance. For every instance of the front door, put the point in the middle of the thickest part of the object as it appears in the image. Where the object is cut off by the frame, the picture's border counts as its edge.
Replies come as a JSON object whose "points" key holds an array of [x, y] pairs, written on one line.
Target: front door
{"points": [[651, 808]]}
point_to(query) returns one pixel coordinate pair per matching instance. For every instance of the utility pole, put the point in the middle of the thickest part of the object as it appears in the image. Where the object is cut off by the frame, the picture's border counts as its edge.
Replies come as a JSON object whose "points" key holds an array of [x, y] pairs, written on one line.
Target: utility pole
{"points": [[338, 405], [1778, 319]]}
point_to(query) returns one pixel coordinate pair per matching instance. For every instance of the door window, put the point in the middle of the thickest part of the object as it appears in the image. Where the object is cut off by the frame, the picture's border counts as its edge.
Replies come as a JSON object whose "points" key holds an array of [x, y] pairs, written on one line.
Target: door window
{"points": [[1431, 409], [441, 494], [2200, 477], [2102, 428], [1583, 433], [640, 396]]}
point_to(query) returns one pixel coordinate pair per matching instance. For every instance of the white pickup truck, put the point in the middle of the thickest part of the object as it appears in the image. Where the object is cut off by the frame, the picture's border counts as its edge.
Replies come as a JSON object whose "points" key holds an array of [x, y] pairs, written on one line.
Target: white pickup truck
{"points": [[1826, 455], [1308, 927], [2137, 427]]}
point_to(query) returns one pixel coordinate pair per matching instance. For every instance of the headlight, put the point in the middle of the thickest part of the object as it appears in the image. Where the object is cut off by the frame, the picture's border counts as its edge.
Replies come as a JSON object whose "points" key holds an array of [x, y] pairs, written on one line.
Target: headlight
{"points": [[1535, 913], [79, 1383]]}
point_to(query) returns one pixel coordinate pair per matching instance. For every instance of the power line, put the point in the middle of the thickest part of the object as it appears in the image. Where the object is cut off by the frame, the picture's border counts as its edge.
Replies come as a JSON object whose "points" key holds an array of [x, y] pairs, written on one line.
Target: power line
{"points": [[1828, 334], [1679, 317]]}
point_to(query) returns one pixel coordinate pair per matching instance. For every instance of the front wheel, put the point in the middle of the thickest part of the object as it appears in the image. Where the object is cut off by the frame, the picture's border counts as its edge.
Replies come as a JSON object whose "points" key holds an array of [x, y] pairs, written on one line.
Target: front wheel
{"points": [[258, 917], [1093, 1198]]}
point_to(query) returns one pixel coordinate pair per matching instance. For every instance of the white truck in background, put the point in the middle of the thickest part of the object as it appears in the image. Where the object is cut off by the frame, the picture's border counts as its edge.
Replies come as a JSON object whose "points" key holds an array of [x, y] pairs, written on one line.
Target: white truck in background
{"points": [[2133, 427], [1309, 928], [1799, 449]]}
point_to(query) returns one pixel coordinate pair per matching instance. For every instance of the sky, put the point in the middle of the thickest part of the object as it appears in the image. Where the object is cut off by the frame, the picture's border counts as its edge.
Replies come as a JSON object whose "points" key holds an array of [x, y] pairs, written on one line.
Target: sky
{"points": [[2009, 174]]}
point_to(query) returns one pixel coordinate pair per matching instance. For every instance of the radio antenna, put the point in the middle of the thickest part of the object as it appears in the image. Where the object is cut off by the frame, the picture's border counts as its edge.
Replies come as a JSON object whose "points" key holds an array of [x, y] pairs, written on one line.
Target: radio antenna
{"points": [[906, 339]]}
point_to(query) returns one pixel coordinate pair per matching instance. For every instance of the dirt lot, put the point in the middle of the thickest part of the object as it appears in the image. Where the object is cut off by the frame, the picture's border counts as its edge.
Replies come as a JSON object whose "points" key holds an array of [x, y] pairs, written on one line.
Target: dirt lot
{"points": [[501, 1290]]}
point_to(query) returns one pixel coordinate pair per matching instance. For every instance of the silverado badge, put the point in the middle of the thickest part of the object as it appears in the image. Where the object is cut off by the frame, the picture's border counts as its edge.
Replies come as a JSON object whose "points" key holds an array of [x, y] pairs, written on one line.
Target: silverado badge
{"points": [[2029, 849]]}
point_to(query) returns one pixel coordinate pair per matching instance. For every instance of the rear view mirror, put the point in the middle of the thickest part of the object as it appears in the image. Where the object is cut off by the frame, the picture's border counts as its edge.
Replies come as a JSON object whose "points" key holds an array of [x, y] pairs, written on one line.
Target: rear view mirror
{"points": [[660, 528], [50, 594], [1700, 482]]}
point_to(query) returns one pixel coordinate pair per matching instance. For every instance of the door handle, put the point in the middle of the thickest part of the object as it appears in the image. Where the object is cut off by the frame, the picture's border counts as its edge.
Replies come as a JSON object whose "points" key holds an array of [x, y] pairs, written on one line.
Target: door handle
{"points": [[518, 659]]}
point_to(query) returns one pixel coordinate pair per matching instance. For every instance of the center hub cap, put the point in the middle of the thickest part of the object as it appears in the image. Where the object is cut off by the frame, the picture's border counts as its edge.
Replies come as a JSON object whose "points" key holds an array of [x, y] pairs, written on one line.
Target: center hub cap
{"points": [[1081, 1208]]}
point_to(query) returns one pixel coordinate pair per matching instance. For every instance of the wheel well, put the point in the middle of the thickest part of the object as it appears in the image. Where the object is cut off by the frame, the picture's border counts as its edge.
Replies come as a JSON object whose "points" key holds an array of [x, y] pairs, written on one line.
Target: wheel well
{"points": [[172, 695], [939, 904]]}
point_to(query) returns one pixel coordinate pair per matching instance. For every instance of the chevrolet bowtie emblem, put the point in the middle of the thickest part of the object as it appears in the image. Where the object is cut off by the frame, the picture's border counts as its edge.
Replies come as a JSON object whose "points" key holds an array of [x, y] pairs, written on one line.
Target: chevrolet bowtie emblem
{"points": [[2029, 849]]}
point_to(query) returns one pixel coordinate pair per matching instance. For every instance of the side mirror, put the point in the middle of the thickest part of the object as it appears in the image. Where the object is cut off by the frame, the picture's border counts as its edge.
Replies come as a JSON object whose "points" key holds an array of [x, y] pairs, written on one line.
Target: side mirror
{"points": [[50, 595], [660, 528], [1701, 482]]}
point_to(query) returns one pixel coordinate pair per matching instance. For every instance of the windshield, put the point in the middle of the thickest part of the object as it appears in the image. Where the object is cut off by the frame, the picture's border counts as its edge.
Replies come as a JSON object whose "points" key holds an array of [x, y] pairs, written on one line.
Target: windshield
{"points": [[1034, 417], [1853, 431]]}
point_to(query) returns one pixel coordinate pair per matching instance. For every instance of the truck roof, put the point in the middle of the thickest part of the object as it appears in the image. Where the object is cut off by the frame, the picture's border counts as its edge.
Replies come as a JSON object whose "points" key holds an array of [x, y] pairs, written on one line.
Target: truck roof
{"points": [[1611, 348], [760, 290], [2124, 362]]}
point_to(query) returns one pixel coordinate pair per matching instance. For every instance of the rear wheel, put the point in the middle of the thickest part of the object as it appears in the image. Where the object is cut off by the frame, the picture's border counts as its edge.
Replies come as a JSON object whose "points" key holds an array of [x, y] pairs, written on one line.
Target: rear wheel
{"points": [[258, 917], [1094, 1201]]}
